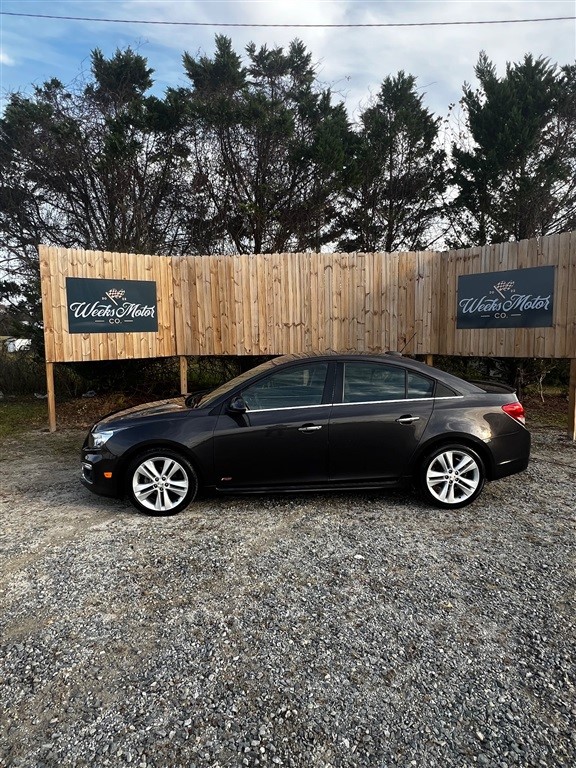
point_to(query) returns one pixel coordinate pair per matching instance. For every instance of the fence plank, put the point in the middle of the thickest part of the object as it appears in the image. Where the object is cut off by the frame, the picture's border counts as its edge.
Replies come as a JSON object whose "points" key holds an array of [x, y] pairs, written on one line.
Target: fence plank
{"points": [[45, 258], [562, 308], [569, 240]]}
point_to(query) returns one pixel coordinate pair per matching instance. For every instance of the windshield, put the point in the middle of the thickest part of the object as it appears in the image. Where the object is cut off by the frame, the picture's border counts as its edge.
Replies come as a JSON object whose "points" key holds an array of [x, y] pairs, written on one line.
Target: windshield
{"points": [[211, 397]]}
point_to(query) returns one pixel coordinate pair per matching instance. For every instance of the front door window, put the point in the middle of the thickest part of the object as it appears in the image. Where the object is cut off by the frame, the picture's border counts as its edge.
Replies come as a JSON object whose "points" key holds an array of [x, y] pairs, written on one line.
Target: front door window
{"points": [[298, 387]]}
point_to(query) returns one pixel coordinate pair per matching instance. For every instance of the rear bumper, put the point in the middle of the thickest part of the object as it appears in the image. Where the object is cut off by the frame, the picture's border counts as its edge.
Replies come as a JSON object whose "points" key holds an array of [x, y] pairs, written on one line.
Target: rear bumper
{"points": [[511, 454]]}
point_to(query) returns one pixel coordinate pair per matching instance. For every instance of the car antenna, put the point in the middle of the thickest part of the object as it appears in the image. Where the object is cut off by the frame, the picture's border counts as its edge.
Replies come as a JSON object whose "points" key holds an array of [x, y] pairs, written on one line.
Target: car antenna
{"points": [[407, 342]]}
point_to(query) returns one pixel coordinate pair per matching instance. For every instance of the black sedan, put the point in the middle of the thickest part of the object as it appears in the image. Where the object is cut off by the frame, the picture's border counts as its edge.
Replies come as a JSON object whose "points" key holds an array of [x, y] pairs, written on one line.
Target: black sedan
{"points": [[313, 422]]}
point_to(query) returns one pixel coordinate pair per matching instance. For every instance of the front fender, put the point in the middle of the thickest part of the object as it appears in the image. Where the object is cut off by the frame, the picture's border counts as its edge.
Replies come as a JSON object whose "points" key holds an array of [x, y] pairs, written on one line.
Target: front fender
{"points": [[196, 445]]}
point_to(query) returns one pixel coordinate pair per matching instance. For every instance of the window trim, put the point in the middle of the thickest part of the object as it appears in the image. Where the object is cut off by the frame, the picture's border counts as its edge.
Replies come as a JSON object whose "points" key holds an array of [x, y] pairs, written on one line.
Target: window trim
{"points": [[384, 402], [290, 408], [363, 402]]}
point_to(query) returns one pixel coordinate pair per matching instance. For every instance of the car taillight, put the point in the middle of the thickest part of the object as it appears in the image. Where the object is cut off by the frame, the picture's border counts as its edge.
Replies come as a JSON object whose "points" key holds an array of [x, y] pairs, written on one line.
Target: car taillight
{"points": [[516, 411]]}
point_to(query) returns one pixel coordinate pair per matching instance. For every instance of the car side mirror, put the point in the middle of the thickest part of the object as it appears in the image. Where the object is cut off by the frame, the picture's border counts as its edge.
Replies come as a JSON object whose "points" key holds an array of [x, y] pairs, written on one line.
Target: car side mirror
{"points": [[237, 405]]}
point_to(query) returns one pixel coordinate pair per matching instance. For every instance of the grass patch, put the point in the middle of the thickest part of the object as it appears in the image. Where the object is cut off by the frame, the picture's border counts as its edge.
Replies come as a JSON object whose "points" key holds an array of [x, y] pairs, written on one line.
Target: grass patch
{"points": [[24, 431], [553, 412], [25, 414], [21, 415]]}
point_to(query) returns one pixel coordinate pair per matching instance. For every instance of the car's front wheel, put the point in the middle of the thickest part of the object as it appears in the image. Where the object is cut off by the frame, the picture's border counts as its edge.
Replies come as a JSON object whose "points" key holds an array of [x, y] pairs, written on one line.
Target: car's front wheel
{"points": [[452, 476], [161, 482]]}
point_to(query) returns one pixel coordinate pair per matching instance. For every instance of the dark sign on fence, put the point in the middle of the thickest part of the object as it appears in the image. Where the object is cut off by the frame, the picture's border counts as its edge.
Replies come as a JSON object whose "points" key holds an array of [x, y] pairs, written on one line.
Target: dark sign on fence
{"points": [[111, 306], [517, 298]]}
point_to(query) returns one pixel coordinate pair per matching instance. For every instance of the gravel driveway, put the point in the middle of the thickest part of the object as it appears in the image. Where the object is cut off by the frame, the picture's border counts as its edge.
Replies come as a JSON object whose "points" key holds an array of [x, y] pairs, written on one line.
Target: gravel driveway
{"points": [[309, 631]]}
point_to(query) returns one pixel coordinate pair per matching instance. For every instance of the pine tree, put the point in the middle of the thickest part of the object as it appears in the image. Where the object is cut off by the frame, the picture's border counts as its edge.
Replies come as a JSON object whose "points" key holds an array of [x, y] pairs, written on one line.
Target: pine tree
{"points": [[394, 192]]}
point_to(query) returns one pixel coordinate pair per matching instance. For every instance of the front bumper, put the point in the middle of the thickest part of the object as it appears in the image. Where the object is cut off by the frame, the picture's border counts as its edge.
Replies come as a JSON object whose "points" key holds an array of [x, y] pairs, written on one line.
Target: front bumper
{"points": [[99, 473]]}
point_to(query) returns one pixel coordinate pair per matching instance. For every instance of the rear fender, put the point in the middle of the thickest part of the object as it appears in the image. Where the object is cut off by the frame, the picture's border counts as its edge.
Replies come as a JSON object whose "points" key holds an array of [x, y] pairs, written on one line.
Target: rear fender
{"points": [[448, 439]]}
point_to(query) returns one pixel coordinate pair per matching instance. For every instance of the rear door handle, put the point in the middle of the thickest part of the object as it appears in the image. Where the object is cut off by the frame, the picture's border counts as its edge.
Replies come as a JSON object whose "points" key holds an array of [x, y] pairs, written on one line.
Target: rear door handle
{"points": [[408, 419], [310, 428]]}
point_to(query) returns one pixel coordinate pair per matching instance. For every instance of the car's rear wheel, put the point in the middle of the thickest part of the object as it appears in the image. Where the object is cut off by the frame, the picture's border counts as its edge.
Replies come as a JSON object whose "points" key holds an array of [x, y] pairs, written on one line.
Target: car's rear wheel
{"points": [[452, 476], [161, 482]]}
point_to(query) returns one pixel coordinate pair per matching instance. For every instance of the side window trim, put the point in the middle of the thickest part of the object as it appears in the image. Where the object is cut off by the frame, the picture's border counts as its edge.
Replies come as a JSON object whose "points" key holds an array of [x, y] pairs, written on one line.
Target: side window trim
{"points": [[328, 396], [291, 408], [390, 402]]}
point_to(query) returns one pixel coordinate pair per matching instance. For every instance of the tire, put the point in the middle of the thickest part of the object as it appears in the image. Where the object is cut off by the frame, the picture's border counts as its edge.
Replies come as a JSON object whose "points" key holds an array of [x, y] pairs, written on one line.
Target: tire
{"points": [[452, 476], [161, 482]]}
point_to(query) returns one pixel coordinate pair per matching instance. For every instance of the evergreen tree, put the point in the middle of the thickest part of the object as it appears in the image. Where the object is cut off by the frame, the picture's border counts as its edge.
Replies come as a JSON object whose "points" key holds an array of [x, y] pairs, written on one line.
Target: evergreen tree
{"points": [[395, 186], [270, 145], [101, 167], [517, 179]]}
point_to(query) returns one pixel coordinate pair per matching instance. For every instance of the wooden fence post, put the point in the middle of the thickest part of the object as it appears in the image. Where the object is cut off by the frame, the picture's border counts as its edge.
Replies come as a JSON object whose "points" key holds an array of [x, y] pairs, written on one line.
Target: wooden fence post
{"points": [[429, 360], [183, 375], [572, 401], [51, 397]]}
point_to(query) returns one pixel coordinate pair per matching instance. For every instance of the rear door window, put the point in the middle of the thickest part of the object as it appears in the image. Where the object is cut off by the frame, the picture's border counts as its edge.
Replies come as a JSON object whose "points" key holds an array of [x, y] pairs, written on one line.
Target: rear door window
{"points": [[378, 382], [419, 386], [373, 382]]}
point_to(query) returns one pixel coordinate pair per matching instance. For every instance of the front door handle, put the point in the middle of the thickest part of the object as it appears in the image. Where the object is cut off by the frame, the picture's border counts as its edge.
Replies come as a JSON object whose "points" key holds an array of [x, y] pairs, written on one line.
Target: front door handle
{"points": [[310, 428], [408, 419]]}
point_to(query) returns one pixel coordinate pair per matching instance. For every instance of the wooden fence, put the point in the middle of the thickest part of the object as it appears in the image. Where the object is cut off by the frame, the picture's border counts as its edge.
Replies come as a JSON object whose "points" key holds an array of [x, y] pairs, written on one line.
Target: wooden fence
{"points": [[279, 303], [273, 304]]}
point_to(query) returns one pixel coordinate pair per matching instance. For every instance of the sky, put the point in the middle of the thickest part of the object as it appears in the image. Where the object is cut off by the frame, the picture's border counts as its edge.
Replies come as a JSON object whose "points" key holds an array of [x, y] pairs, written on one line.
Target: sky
{"points": [[352, 61]]}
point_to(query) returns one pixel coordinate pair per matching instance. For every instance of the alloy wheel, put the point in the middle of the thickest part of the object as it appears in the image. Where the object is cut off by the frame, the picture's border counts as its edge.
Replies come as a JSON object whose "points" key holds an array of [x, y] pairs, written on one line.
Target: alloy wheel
{"points": [[160, 484], [453, 477]]}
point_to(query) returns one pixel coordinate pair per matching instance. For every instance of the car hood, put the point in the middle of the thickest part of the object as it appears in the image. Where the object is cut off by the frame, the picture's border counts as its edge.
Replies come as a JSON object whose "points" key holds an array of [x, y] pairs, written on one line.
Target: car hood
{"points": [[145, 411]]}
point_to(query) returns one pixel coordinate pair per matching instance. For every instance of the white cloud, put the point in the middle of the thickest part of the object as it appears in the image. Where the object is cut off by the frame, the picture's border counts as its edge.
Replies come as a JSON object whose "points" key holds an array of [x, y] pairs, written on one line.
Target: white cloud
{"points": [[6, 60], [353, 61]]}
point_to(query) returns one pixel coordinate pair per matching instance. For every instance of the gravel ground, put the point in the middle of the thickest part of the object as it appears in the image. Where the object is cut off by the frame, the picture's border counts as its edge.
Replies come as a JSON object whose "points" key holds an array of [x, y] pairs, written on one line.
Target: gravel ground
{"points": [[307, 631]]}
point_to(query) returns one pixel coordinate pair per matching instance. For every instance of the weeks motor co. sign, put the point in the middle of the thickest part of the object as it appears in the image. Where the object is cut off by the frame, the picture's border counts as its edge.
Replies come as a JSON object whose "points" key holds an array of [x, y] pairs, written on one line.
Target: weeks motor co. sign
{"points": [[111, 306], [518, 298]]}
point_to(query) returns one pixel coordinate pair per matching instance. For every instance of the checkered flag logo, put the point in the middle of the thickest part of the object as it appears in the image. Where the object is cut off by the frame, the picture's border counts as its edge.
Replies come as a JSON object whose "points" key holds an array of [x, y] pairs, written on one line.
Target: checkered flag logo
{"points": [[504, 286], [114, 294]]}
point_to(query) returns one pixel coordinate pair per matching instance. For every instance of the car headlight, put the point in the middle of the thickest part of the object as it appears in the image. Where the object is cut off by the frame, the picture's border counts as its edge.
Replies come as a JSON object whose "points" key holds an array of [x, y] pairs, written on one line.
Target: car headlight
{"points": [[101, 437]]}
